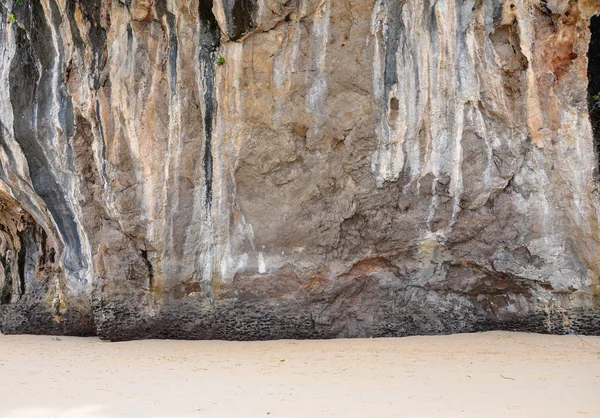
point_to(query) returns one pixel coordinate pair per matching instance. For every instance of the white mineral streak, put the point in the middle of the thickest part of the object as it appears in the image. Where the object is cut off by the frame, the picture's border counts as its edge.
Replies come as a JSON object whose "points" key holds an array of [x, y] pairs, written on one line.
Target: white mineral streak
{"points": [[318, 90], [261, 263], [172, 162], [381, 163], [226, 148]]}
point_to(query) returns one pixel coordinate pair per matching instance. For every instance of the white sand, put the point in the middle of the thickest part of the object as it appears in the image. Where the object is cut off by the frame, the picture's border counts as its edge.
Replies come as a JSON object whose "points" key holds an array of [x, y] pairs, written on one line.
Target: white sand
{"points": [[461, 375]]}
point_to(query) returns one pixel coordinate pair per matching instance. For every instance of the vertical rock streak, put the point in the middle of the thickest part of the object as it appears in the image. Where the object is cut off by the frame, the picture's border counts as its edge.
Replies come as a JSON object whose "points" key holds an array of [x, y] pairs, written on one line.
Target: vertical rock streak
{"points": [[209, 44], [321, 39]]}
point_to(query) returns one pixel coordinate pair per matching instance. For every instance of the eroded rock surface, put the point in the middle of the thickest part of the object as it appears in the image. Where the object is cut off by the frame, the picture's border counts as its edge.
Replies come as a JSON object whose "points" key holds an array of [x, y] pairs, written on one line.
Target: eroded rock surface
{"points": [[255, 169]]}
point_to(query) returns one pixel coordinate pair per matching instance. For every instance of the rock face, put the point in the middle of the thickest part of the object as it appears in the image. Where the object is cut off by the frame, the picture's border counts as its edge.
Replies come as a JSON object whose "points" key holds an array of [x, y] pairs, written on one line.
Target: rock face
{"points": [[255, 169]]}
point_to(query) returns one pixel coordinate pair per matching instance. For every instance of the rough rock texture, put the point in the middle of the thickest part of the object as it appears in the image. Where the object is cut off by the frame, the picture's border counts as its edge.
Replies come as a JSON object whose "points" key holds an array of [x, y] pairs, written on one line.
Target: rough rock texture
{"points": [[255, 169]]}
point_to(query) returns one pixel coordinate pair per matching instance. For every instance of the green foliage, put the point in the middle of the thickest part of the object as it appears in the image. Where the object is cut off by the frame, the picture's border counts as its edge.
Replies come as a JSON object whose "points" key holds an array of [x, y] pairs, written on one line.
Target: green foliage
{"points": [[596, 97], [11, 17], [221, 61]]}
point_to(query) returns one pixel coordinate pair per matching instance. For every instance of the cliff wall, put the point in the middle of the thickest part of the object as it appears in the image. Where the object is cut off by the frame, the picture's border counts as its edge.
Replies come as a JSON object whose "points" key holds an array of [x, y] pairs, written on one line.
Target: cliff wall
{"points": [[254, 169]]}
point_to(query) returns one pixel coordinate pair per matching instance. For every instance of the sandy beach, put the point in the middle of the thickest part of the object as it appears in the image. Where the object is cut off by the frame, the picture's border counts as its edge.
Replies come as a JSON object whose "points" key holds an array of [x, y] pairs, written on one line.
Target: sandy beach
{"points": [[495, 374]]}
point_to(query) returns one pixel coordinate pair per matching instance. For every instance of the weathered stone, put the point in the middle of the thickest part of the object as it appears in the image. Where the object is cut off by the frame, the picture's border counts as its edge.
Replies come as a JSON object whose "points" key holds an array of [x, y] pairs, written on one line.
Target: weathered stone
{"points": [[255, 169]]}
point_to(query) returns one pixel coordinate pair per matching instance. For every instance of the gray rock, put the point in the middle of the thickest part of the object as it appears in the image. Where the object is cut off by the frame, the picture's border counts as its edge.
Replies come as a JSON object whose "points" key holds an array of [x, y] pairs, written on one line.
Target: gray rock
{"points": [[258, 169]]}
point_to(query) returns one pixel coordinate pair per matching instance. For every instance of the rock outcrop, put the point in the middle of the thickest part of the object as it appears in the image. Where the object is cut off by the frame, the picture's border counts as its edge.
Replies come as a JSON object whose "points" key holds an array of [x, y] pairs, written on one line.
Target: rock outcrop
{"points": [[255, 169]]}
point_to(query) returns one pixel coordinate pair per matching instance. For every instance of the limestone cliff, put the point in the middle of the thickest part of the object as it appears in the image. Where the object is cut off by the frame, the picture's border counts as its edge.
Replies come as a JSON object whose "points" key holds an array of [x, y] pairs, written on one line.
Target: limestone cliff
{"points": [[252, 169]]}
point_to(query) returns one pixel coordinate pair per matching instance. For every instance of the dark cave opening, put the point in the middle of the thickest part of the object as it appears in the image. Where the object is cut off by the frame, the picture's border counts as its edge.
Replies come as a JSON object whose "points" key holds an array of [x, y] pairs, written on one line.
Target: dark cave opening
{"points": [[594, 82]]}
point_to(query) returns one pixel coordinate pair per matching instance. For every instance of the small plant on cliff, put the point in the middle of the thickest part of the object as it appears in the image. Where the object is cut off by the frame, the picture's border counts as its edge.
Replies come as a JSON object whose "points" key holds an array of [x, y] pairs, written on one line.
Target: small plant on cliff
{"points": [[596, 97], [11, 17], [221, 61]]}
